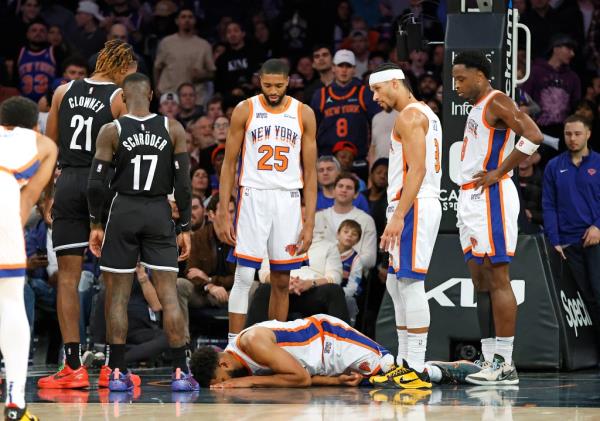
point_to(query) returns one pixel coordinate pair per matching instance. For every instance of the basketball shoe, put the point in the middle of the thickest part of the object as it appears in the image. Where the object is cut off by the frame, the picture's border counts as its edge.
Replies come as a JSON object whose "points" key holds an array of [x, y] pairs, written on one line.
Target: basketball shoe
{"points": [[66, 378], [183, 382], [120, 382], [386, 379], [498, 374], [412, 379], [455, 372], [12, 412], [104, 377]]}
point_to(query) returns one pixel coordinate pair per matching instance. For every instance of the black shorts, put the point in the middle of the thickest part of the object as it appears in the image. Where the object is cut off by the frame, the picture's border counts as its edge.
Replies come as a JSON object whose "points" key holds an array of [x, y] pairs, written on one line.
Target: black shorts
{"points": [[70, 216], [139, 227]]}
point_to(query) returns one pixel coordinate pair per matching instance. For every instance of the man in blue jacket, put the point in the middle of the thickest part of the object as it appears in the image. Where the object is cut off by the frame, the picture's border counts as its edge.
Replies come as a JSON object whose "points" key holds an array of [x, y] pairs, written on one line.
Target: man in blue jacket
{"points": [[571, 205]]}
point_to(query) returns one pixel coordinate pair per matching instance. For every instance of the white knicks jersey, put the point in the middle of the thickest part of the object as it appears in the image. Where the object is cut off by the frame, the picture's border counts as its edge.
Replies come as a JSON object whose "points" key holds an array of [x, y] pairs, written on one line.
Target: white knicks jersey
{"points": [[271, 151], [18, 163], [484, 147], [433, 158]]}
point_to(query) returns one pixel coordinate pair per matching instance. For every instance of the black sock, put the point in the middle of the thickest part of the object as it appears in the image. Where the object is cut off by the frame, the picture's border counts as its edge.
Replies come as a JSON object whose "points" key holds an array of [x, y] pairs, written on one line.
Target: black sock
{"points": [[179, 358], [117, 357], [485, 315], [73, 355]]}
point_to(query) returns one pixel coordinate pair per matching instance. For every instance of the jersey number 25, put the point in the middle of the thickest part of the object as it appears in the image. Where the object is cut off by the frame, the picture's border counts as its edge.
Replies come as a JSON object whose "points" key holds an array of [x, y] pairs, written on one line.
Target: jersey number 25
{"points": [[280, 163]]}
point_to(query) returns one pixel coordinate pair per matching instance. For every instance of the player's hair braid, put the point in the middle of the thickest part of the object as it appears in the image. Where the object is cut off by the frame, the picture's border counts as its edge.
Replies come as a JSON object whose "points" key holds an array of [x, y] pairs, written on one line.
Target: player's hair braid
{"points": [[115, 56]]}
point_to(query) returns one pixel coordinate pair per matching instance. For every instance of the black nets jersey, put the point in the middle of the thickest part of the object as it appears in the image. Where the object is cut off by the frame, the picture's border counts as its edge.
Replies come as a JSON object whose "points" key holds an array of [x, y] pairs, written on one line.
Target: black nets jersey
{"points": [[144, 158], [84, 109]]}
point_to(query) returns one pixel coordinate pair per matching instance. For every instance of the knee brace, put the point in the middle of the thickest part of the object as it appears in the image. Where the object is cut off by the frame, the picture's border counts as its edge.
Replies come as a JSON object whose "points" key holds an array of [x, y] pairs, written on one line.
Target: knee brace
{"points": [[394, 287], [242, 282], [415, 300]]}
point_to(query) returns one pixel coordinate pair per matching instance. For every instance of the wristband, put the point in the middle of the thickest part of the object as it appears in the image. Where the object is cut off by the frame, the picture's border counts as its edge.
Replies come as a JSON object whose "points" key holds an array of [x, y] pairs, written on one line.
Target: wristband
{"points": [[526, 146]]}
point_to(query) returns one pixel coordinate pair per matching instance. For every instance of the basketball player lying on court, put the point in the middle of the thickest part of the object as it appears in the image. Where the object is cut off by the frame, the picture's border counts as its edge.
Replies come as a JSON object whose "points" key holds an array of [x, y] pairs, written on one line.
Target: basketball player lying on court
{"points": [[320, 350]]}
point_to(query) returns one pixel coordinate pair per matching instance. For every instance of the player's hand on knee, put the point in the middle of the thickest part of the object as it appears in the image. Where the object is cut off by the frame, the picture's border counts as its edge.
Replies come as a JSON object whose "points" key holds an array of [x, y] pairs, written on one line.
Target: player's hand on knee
{"points": [[184, 243], [96, 238]]}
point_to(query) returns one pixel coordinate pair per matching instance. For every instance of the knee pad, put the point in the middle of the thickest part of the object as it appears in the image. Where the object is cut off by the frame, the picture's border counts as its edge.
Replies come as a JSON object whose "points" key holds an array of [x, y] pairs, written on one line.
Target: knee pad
{"points": [[394, 287], [239, 295], [415, 300]]}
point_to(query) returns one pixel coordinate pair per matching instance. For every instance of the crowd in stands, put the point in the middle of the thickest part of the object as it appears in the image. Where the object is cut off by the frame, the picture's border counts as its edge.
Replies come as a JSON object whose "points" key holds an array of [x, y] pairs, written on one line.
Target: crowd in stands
{"points": [[203, 58]]}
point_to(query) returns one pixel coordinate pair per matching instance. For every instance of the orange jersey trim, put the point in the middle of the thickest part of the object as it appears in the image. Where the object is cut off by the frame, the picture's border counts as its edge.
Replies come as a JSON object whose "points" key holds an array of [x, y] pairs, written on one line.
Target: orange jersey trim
{"points": [[267, 106], [341, 98]]}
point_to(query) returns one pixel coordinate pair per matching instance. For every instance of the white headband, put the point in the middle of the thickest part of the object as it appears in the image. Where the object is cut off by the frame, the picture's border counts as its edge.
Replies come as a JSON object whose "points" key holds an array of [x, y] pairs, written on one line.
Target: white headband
{"points": [[385, 76]]}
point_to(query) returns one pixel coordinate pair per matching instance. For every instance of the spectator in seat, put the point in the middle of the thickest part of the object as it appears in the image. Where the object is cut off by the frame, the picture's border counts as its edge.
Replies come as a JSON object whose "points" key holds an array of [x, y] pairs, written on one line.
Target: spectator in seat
{"points": [[345, 152], [328, 169], [348, 236], [344, 109], [201, 184], [184, 57], [36, 64], [313, 289], [237, 64], [571, 206], [554, 86], [188, 110], [376, 195], [209, 277], [202, 134], [75, 68], [169, 105], [530, 181], [214, 108], [198, 213], [91, 37], [328, 221], [322, 62]]}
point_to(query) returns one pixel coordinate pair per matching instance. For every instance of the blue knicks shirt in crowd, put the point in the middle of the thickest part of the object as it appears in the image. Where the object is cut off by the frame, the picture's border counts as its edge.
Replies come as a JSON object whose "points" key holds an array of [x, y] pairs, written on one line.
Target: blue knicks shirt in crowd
{"points": [[344, 113], [325, 202], [36, 72], [571, 198]]}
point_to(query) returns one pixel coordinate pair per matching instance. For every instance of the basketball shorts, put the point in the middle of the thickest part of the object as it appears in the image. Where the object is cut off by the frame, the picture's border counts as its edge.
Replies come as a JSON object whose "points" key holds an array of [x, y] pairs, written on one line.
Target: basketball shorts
{"points": [[12, 243], [487, 221], [268, 222], [139, 228], [421, 225], [70, 215]]}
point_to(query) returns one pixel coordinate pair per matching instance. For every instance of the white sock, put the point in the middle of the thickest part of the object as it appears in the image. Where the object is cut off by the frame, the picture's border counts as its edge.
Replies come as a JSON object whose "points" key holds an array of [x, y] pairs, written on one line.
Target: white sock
{"points": [[402, 345], [488, 348], [14, 338], [231, 338], [504, 347], [417, 345], [435, 374]]}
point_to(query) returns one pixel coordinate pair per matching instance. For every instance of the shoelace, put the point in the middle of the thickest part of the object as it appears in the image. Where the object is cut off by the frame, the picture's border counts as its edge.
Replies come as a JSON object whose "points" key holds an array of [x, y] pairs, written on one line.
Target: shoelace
{"points": [[397, 372]]}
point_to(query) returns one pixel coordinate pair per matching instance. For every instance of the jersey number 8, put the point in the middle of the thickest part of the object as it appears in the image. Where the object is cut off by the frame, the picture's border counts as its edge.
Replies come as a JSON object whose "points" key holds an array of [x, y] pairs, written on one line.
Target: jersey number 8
{"points": [[280, 163]]}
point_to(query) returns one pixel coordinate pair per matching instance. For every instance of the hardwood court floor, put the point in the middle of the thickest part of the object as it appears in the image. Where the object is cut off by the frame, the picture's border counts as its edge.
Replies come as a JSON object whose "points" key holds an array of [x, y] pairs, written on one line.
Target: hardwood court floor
{"points": [[540, 396]]}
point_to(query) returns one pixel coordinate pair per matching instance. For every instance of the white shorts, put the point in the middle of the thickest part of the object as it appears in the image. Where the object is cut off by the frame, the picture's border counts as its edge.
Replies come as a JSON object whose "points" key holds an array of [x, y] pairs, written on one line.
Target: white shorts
{"points": [[487, 222], [13, 259], [412, 258], [268, 222]]}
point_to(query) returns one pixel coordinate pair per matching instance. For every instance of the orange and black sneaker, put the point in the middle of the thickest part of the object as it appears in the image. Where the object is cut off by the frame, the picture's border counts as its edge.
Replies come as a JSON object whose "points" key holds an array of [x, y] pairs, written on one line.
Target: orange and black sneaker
{"points": [[67, 378], [13, 413], [104, 377]]}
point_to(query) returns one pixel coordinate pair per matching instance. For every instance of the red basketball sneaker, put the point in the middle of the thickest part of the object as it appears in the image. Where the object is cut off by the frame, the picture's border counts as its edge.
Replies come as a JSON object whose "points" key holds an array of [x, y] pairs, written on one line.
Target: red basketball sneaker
{"points": [[104, 377], [67, 378]]}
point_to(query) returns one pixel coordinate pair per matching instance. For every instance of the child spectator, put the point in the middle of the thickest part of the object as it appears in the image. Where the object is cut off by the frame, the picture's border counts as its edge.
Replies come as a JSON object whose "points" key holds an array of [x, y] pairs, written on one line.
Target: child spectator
{"points": [[348, 235]]}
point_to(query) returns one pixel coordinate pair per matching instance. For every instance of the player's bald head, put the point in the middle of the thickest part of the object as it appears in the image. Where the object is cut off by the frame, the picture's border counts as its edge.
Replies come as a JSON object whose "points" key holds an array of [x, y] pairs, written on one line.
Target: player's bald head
{"points": [[137, 83]]}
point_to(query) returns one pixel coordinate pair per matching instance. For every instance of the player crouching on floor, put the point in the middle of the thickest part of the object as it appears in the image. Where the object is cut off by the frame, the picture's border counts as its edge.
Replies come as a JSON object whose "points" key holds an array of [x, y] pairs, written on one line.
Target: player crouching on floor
{"points": [[319, 350]]}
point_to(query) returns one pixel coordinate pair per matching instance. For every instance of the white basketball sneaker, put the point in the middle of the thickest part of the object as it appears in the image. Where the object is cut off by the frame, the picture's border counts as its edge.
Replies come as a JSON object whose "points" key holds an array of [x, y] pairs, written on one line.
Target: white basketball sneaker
{"points": [[498, 374]]}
